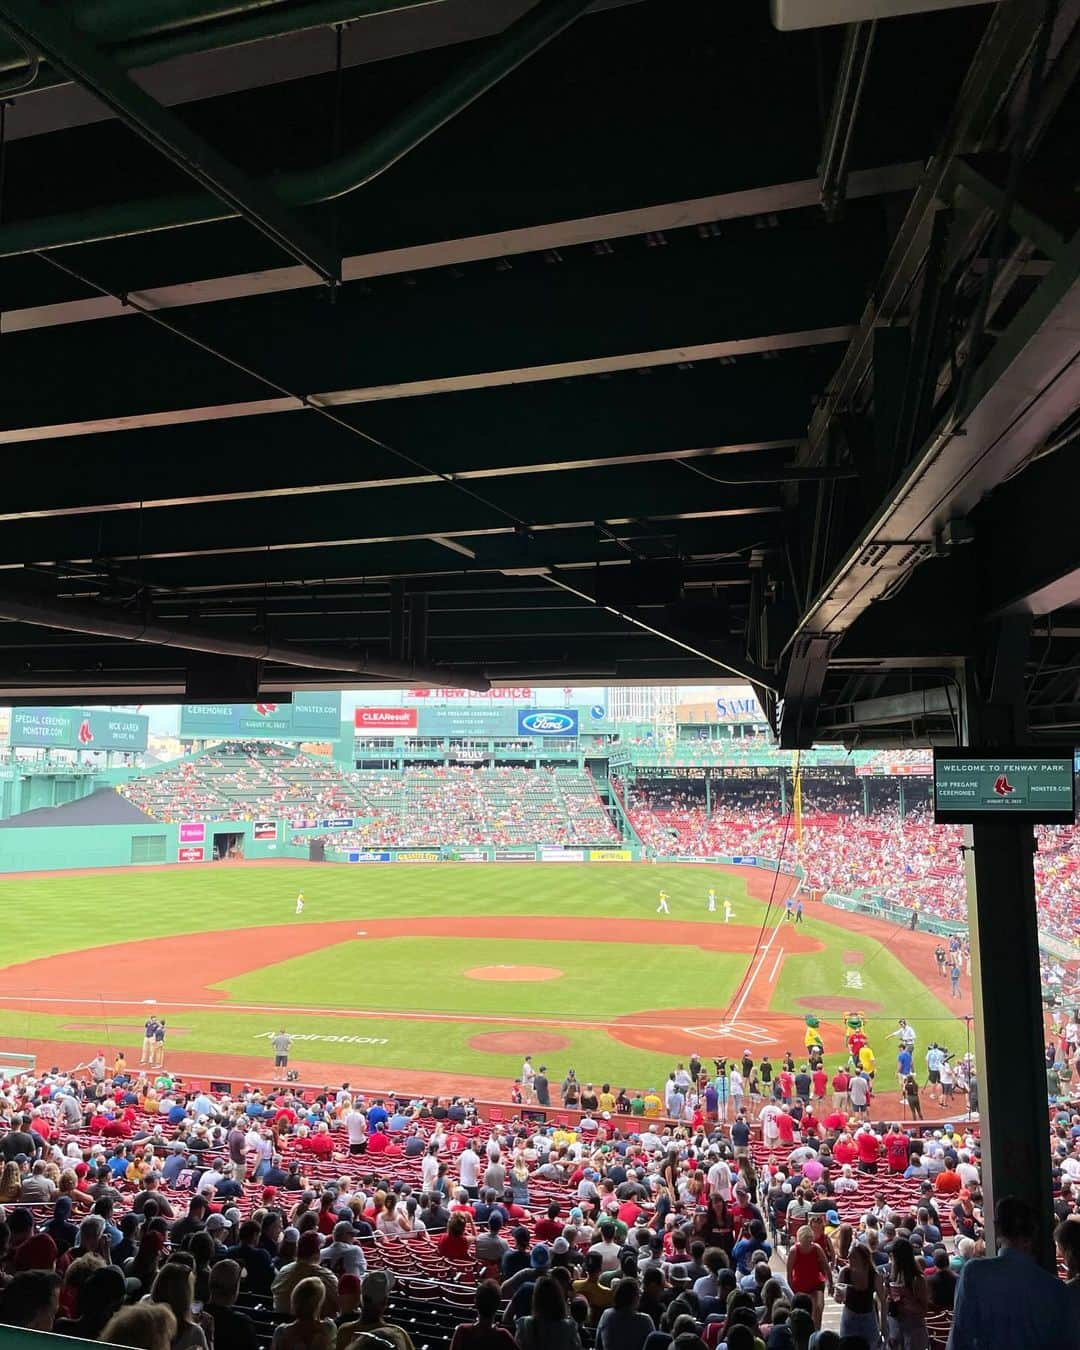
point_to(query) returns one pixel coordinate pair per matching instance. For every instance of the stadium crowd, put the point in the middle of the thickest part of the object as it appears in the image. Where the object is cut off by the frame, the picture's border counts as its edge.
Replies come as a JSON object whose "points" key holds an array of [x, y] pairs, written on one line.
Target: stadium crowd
{"points": [[420, 807], [140, 1212], [906, 859]]}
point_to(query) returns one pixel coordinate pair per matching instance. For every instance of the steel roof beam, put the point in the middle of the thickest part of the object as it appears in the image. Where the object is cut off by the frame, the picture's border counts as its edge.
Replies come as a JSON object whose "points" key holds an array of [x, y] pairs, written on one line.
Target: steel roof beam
{"points": [[1022, 392], [45, 30], [740, 204], [448, 384]]}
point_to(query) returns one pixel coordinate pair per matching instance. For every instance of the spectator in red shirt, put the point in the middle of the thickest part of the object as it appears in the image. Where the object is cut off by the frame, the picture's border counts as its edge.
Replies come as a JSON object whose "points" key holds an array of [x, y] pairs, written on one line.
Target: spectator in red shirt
{"points": [[821, 1082], [840, 1084], [785, 1126], [379, 1141], [836, 1122], [844, 1150], [948, 1182], [868, 1147], [550, 1227], [321, 1144], [787, 1085], [896, 1150]]}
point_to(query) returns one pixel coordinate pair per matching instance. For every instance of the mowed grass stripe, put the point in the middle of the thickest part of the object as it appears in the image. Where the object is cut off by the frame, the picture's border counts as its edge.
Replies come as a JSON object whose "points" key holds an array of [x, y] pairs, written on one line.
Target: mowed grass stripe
{"points": [[424, 974]]}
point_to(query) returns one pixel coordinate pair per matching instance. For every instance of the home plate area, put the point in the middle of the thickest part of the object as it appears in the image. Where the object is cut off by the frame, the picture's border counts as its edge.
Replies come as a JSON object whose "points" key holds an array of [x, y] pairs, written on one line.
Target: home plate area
{"points": [[741, 1031]]}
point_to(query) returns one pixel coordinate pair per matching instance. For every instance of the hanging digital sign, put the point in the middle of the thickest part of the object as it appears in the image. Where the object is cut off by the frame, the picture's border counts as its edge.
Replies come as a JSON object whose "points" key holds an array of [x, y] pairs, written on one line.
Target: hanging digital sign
{"points": [[1034, 785]]}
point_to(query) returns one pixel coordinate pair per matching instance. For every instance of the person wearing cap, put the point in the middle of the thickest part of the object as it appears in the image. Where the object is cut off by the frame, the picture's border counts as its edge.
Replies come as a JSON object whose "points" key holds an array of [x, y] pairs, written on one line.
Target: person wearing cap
{"points": [[374, 1296], [342, 1255], [231, 1328]]}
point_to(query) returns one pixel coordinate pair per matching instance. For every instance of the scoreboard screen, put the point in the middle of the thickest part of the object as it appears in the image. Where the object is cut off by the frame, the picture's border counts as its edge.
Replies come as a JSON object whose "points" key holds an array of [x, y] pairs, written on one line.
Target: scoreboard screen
{"points": [[1035, 785]]}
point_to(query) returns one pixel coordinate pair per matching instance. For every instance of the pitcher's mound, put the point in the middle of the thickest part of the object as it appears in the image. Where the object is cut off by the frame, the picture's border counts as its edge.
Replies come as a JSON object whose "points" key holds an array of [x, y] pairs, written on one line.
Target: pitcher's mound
{"points": [[517, 1042], [513, 973]]}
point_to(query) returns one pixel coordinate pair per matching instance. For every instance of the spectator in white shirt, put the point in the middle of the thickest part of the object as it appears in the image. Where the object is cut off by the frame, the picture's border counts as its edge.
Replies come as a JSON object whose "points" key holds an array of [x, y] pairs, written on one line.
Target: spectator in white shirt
{"points": [[469, 1171]]}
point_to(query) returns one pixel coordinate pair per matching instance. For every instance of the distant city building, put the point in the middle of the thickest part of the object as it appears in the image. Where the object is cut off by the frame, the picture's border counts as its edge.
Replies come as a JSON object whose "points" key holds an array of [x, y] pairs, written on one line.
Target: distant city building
{"points": [[633, 703]]}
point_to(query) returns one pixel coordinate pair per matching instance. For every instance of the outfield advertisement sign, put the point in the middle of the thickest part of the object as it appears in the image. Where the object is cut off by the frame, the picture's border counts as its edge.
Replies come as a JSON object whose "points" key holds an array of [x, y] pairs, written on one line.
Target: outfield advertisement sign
{"points": [[78, 729], [472, 855], [386, 721], [610, 855], [368, 856], [193, 832], [562, 855], [741, 860], [264, 829], [418, 857], [548, 722], [514, 855], [190, 854], [309, 717], [481, 720]]}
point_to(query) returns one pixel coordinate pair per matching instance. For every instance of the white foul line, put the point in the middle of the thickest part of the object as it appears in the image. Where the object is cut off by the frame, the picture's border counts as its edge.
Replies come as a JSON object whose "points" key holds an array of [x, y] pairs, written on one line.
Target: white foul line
{"points": [[776, 965], [757, 971]]}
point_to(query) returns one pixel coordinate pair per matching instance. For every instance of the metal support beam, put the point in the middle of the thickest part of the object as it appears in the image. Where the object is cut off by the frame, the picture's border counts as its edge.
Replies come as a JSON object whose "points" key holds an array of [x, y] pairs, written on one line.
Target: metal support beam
{"points": [[1024, 390], [802, 693], [545, 21], [102, 622], [46, 30], [714, 654], [768, 199], [840, 131], [919, 703]]}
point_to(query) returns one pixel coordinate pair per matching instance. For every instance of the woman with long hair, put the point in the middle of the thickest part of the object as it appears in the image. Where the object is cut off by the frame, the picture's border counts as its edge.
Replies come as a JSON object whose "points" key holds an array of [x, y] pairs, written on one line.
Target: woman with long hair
{"points": [[175, 1287], [394, 1221], [549, 1326], [308, 1330], [454, 1243], [519, 1180], [862, 1292], [10, 1183], [908, 1301], [911, 1096], [808, 1271]]}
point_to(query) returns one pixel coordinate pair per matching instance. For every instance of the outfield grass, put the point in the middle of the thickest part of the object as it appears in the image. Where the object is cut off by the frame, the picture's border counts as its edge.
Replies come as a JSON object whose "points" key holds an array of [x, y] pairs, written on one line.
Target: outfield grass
{"points": [[599, 980], [428, 975]]}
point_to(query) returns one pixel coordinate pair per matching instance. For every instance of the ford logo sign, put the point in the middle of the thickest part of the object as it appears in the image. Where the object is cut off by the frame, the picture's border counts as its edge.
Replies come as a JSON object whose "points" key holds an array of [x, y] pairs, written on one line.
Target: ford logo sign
{"points": [[547, 723]]}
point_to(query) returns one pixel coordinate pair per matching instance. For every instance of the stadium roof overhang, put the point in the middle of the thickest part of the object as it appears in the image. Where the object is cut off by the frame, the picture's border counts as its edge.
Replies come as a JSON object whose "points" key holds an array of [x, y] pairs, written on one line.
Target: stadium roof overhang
{"points": [[600, 396]]}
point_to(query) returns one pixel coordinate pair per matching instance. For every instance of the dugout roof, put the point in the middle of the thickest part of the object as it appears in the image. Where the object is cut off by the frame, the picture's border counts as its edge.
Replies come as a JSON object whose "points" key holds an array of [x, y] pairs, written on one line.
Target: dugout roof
{"points": [[667, 346]]}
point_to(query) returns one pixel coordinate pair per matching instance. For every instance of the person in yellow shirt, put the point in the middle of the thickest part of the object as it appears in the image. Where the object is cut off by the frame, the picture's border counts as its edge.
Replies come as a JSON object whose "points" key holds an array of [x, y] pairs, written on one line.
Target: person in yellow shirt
{"points": [[119, 1064], [654, 1104], [866, 1060], [606, 1100]]}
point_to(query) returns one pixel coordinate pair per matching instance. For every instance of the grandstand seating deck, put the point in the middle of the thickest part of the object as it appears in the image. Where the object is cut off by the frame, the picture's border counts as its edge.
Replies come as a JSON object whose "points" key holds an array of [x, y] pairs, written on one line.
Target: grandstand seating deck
{"points": [[422, 807]]}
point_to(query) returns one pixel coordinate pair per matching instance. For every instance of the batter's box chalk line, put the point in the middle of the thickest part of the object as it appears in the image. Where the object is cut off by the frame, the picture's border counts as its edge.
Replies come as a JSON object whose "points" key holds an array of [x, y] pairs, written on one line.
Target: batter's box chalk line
{"points": [[743, 1031]]}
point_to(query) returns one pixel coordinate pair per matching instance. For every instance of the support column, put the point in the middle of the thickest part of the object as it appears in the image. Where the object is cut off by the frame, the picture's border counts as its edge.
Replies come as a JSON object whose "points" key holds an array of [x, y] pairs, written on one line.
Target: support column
{"points": [[783, 794], [903, 799], [708, 793], [1009, 1021], [999, 857], [865, 797]]}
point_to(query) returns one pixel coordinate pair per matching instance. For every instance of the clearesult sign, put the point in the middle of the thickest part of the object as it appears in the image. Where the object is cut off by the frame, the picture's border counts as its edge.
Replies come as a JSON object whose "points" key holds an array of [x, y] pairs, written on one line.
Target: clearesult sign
{"points": [[395, 721]]}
